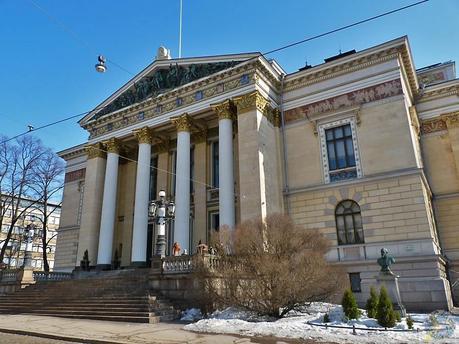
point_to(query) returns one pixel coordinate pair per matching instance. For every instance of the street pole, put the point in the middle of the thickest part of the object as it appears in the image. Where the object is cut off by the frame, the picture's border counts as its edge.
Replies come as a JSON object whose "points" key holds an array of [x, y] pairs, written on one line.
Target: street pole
{"points": [[161, 210]]}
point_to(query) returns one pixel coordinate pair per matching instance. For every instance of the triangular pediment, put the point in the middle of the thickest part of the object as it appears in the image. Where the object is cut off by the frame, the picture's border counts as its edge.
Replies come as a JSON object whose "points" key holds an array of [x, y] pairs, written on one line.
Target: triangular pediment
{"points": [[161, 77]]}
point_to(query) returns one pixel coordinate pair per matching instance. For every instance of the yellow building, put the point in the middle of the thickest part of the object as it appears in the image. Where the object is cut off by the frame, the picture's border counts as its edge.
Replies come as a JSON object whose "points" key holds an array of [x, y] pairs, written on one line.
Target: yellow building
{"points": [[16, 246], [363, 147]]}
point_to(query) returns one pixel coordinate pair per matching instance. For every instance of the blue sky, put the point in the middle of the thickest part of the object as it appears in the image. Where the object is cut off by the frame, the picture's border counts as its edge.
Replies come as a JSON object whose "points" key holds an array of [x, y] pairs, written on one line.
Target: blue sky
{"points": [[47, 70]]}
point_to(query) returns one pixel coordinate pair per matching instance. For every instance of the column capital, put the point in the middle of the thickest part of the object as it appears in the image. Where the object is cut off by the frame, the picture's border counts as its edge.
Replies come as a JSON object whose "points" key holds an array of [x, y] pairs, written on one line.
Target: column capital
{"points": [[113, 145], [144, 135], [252, 101], [162, 146], [275, 117], [452, 119], [95, 150], [199, 136], [224, 110], [183, 122]]}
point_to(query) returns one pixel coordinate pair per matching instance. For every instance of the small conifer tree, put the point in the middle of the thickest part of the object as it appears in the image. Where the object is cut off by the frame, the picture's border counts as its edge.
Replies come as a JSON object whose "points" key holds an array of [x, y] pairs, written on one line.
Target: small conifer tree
{"points": [[409, 322], [350, 305], [385, 314], [326, 318], [372, 303]]}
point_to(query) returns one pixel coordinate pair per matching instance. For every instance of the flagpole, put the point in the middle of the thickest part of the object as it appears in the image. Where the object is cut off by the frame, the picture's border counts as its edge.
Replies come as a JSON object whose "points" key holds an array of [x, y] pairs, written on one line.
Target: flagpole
{"points": [[180, 30]]}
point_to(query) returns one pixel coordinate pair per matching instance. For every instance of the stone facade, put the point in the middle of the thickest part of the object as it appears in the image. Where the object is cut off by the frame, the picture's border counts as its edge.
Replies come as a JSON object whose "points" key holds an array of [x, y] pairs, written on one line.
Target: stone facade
{"points": [[401, 168]]}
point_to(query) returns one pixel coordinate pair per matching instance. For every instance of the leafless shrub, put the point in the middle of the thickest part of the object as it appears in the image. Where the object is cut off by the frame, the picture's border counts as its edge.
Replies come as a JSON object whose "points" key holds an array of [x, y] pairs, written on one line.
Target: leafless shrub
{"points": [[269, 267]]}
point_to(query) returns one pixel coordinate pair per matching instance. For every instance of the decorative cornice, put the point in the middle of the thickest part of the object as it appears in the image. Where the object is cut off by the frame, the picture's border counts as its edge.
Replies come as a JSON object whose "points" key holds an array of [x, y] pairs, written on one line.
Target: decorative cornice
{"points": [[225, 110], [438, 93], [344, 68], [143, 135], [113, 145], [432, 126], [441, 123], [252, 101], [95, 151], [183, 122], [452, 119]]}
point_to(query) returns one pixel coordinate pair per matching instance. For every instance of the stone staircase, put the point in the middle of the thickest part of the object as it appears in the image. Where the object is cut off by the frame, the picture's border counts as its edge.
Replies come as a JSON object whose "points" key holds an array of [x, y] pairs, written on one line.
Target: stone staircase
{"points": [[121, 295]]}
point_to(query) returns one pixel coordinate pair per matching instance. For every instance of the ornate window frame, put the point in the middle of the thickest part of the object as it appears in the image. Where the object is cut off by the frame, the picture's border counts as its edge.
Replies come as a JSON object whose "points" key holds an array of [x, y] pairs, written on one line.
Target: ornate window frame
{"points": [[353, 120]]}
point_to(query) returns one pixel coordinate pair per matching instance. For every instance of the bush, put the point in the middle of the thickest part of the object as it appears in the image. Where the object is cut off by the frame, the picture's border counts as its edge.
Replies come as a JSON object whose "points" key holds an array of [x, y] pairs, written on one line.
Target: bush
{"points": [[350, 305], [270, 267], [409, 322], [385, 315], [372, 303], [326, 318]]}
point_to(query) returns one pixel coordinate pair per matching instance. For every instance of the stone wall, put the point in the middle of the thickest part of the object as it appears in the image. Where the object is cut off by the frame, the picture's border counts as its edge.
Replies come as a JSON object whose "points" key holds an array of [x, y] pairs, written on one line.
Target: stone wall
{"points": [[65, 258]]}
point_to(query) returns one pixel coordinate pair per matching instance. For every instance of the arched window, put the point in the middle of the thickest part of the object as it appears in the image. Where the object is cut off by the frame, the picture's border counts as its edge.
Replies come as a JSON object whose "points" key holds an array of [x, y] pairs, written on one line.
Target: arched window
{"points": [[349, 223]]}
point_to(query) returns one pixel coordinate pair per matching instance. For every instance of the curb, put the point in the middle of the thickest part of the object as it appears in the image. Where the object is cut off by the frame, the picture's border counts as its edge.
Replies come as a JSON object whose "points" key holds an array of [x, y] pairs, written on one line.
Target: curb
{"points": [[59, 337]]}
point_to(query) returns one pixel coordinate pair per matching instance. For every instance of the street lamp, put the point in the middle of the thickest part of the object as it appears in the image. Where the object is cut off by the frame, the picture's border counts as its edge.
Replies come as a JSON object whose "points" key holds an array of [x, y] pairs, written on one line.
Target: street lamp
{"points": [[162, 211], [29, 233]]}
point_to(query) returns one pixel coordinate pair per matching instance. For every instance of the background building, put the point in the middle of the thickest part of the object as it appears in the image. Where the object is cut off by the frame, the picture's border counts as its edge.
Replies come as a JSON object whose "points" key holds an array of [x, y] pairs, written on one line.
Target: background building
{"points": [[14, 256], [363, 147]]}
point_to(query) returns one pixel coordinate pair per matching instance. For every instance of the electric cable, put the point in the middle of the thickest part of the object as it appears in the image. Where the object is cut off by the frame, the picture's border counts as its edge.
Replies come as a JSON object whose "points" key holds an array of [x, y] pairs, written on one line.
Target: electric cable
{"points": [[253, 58]]}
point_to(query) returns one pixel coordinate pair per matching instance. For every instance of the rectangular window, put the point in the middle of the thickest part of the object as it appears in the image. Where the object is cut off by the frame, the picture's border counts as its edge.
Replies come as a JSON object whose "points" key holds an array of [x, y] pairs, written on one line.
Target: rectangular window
{"points": [[154, 178], [214, 172], [340, 147], [354, 278]]}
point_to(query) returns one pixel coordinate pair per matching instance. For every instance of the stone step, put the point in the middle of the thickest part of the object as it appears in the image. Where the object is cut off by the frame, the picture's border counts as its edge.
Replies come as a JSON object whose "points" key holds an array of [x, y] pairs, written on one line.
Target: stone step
{"points": [[86, 312], [141, 319]]}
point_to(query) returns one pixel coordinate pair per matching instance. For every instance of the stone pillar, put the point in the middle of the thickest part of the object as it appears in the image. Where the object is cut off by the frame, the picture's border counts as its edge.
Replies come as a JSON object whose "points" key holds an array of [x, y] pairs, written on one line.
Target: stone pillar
{"points": [[92, 203], [259, 178], [107, 219], [182, 182], [142, 193], [225, 112], [200, 189]]}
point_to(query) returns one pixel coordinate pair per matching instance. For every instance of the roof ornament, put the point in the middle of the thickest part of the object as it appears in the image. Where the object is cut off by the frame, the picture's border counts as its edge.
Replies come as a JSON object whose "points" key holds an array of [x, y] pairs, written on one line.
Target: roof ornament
{"points": [[163, 53]]}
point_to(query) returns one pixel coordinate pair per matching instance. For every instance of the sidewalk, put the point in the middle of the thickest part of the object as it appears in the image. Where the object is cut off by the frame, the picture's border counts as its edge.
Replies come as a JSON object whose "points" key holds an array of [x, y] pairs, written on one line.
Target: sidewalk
{"points": [[102, 332]]}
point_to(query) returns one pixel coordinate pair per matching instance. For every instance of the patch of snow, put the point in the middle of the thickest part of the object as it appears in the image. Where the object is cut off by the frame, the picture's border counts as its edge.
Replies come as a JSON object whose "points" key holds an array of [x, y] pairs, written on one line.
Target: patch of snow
{"points": [[295, 325], [191, 314]]}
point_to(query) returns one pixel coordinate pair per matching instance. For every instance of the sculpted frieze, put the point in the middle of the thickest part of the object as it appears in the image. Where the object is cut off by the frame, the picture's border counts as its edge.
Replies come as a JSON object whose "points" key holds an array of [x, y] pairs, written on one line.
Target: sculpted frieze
{"points": [[351, 99]]}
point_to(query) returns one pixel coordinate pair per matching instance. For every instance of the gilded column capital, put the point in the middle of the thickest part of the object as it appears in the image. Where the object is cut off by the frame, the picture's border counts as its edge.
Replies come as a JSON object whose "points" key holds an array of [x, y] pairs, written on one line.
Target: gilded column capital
{"points": [[225, 109], [199, 136], [144, 135], [183, 122], [113, 145], [452, 119], [275, 117], [252, 101], [162, 146], [95, 150]]}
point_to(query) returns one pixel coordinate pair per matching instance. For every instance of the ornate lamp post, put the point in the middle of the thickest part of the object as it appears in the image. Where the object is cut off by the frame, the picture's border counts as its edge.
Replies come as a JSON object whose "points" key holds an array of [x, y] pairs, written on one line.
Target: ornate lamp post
{"points": [[29, 233], [162, 211]]}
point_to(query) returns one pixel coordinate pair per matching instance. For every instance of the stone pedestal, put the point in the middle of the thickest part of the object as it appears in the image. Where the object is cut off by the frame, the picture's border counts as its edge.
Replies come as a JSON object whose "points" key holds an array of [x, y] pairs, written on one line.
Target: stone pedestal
{"points": [[390, 281]]}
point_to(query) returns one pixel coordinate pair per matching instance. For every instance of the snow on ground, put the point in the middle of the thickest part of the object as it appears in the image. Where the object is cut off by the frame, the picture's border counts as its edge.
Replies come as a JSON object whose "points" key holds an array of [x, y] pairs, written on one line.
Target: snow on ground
{"points": [[233, 321]]}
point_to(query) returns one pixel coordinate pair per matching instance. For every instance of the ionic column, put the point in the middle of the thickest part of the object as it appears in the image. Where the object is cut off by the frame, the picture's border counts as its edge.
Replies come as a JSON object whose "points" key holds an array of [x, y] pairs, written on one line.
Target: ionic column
{"points": [[182, 182], [107, 221], [142, 191], [225, 112]]}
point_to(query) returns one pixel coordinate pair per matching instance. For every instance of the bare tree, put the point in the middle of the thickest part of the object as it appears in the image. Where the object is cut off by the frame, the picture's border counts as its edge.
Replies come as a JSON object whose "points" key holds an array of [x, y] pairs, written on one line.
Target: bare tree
{"points": [[270, 267], [48, 182], [17, 196]]}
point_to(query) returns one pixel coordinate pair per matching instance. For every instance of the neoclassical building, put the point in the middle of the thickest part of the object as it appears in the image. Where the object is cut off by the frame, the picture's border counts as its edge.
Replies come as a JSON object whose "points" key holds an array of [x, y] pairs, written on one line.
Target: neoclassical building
{"points": [[363, 147]]}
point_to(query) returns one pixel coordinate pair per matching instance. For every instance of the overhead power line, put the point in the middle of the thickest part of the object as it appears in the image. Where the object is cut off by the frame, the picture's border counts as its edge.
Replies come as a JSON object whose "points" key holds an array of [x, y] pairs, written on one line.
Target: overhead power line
{"points": [[256, 57]]}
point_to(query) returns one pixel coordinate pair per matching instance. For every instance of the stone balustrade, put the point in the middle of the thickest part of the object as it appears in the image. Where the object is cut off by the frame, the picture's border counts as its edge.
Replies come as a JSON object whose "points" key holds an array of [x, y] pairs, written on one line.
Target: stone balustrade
{"points": [[40, 276], [187, 264], [8, 276]]}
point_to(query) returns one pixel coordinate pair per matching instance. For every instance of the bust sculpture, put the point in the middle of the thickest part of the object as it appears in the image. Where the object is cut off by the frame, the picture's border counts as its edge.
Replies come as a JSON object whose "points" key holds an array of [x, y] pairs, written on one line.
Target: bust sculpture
{"points": [[385, 261]]}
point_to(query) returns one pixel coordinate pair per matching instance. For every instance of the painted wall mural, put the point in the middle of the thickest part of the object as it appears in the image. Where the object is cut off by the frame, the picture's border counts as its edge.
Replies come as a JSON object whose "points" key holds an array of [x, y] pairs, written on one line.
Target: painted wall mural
{"points": [[355, 98]]}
